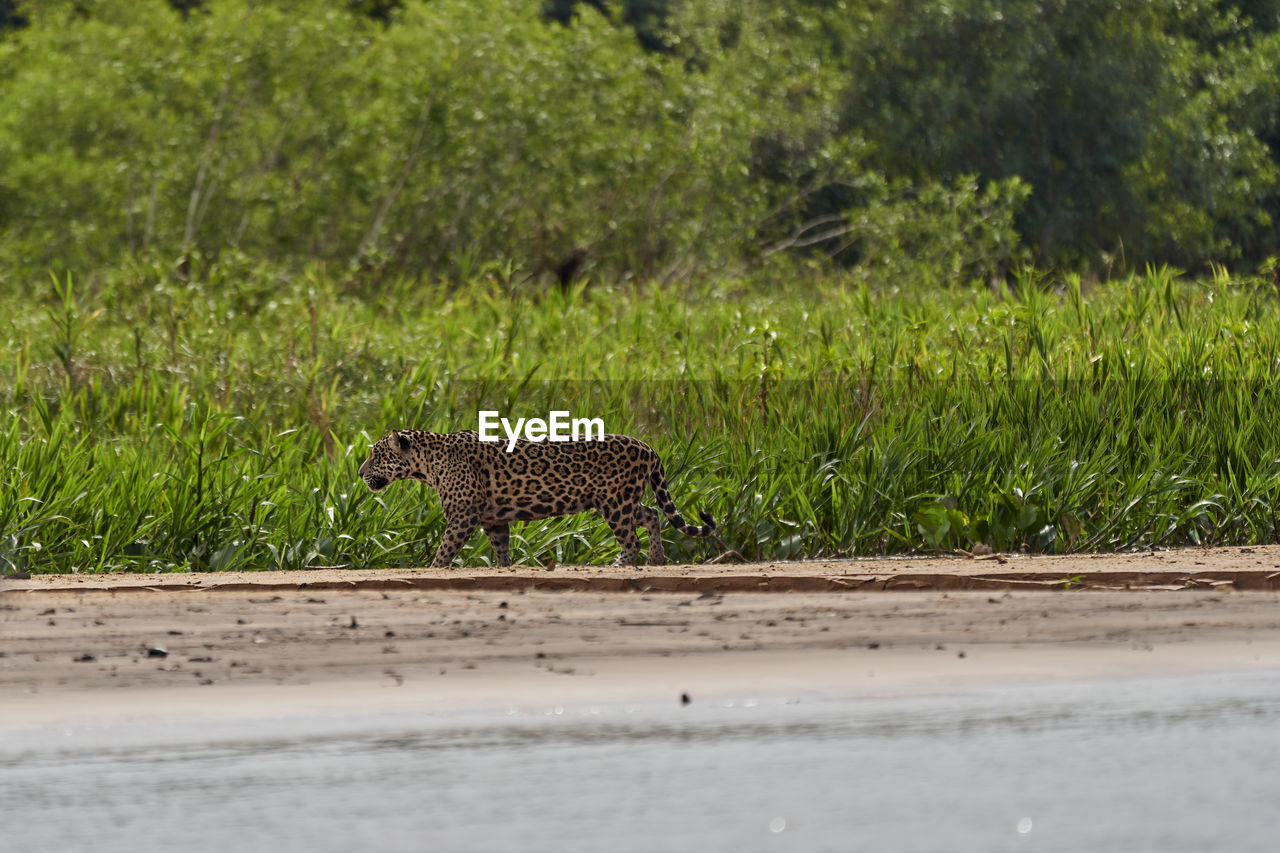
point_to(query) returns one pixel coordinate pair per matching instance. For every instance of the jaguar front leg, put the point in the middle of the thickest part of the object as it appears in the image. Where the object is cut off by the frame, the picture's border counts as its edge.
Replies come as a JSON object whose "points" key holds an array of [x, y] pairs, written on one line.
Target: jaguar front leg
{"points": [[456, 533], [500, 538]]}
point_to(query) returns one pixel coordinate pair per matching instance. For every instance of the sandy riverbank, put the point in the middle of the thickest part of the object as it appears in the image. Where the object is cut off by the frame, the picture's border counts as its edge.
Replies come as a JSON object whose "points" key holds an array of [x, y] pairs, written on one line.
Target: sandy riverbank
{"points": [[1252, 568], [125, 647]]}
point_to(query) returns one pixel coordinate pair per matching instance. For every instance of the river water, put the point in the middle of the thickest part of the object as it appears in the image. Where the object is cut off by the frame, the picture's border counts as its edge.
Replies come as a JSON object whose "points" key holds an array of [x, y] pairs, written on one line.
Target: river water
{"points": [[1168, 764]]}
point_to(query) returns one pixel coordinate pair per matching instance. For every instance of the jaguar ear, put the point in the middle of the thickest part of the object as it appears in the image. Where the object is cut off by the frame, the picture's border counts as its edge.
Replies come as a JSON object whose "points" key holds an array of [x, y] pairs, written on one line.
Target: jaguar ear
{"points": [[404, 441]]}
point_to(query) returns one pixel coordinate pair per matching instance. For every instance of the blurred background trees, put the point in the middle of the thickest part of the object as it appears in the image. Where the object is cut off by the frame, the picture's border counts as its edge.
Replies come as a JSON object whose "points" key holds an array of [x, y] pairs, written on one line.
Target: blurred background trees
{"points": [[638, 138]]}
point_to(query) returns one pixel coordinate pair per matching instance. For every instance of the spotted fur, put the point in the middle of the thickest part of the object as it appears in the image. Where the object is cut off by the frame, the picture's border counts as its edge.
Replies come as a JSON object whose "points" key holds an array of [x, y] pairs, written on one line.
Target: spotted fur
{"points": [[481, 484]]}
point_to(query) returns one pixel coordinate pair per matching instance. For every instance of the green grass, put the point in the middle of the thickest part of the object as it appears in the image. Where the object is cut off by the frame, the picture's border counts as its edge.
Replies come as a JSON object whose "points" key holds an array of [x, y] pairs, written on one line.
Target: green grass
{"points": [[154, 425]]}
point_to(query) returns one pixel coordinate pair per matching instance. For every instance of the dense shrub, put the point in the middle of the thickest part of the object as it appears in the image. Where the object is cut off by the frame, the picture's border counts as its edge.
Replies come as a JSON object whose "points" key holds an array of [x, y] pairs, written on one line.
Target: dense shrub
{"points": [[462, 136], [639, 139]]}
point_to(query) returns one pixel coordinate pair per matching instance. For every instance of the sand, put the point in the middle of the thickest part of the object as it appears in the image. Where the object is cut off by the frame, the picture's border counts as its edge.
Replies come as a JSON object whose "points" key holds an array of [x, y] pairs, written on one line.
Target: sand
{"points": [[109, 648]]}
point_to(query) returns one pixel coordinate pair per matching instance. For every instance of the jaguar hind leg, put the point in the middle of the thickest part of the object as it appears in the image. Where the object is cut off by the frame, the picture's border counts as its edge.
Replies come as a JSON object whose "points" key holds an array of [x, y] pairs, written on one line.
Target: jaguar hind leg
{"points": [[651, 520], [622, 522]]}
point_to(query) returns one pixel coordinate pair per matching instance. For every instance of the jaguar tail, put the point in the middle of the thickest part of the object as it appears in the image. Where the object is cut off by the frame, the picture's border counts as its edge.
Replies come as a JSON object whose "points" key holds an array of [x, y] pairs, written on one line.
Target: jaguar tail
{"points": [[658, 479]]}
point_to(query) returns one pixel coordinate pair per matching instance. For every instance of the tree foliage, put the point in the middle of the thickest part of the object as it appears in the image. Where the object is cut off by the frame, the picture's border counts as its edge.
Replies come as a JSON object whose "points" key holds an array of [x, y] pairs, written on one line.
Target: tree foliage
{"points": [[1123, 118], [11, 16], [644, 139]]}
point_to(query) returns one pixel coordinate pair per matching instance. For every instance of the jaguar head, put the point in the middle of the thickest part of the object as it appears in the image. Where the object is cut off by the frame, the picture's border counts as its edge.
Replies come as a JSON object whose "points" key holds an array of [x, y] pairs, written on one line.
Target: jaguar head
{"points": [[387, 461]]}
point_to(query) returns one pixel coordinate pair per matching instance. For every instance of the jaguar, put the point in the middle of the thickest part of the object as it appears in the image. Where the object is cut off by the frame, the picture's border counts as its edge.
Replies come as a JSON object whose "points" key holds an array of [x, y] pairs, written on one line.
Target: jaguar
{"points": [[481, 483]]}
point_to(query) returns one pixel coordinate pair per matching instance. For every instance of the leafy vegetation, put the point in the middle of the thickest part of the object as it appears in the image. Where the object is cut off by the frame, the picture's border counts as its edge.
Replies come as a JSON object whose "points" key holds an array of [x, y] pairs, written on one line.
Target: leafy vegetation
{"points": [[647, 139], [873, 277], [146, 432]]}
